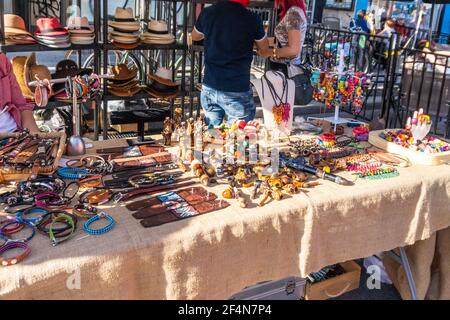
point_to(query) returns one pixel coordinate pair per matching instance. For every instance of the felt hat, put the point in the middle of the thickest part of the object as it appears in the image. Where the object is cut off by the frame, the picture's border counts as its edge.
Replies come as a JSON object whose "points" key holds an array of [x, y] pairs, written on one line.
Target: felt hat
{"points": [[49, 27], [124, 93], [163, 76], [15, 25], [121, 72], [18, 66], [32, 69], [162, 85], [67, 68]]}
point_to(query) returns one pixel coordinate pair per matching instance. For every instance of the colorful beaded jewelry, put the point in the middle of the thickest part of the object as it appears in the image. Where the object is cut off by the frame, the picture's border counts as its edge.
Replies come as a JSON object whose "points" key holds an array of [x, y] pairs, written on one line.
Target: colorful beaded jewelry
{"points": [[73, 173], [100, 215], [382, 173]]}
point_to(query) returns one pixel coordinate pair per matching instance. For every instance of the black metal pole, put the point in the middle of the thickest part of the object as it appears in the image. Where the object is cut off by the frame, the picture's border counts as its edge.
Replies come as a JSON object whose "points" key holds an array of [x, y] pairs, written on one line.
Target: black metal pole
{"points": [[2, 23]]}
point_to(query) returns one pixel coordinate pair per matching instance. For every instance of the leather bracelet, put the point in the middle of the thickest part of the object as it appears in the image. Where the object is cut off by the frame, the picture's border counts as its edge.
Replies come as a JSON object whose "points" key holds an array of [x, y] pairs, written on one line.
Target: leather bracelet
{"points": [[13, 228], [50, 200], [65, 218], [44, 226], [25, 224], [96, 196], [11, 245], [70, 197], [33, 221], [84, 211], [100, 215], [91, 182]]}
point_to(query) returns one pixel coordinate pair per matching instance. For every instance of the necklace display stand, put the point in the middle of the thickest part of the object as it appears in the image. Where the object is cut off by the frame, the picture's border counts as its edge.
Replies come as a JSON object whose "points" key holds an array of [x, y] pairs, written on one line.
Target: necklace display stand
{"points": [[285, 89], [336, 119]]}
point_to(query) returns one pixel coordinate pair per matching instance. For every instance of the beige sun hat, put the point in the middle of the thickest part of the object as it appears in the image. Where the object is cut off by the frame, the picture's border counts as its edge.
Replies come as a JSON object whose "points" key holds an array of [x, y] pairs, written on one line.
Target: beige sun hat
{"points": [[79, 25], [124, 20]]}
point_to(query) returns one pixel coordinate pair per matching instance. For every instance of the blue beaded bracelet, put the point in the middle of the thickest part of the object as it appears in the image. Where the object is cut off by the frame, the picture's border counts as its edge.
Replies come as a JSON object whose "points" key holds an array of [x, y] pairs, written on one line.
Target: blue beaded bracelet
{"points": [[32, 221], [72, 173], [103, 230]]}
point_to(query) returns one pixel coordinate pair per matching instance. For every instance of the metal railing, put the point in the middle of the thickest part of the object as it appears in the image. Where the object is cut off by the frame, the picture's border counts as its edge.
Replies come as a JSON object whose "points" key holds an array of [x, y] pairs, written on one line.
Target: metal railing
{"points": [[421, 80]]}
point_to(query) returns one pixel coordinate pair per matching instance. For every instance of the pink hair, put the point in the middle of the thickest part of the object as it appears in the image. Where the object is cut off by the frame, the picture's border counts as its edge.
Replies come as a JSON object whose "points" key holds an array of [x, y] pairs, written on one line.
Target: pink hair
{"points": [[285, 5]]}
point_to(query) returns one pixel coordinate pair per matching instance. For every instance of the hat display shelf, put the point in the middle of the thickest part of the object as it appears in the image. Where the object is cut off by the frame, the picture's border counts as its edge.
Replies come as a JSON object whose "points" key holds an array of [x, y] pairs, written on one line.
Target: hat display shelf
{"points": [[96, 48], [145, 49]]}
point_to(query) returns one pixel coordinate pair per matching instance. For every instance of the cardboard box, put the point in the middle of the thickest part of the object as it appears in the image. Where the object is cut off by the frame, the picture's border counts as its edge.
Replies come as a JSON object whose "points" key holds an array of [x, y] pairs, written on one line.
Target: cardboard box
{"points": [[131, 127], [334, 287]]}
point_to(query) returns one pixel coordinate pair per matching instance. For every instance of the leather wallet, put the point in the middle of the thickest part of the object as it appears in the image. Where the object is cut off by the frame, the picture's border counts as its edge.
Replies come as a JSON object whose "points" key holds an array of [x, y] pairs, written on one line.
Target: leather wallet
{"points": [[205, 207], [158, 220]]}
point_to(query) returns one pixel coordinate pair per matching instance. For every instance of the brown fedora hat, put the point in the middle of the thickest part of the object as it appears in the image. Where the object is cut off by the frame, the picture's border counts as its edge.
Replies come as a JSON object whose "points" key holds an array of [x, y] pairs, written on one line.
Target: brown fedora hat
{"points": [[161, 95], [18, 64], [121, 72], [32, 69], [125, 93]]}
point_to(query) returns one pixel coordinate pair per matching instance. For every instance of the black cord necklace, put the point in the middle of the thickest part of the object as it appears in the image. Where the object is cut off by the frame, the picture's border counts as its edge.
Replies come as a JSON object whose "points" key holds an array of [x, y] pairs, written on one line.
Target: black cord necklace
{"points": [[281, 110]]}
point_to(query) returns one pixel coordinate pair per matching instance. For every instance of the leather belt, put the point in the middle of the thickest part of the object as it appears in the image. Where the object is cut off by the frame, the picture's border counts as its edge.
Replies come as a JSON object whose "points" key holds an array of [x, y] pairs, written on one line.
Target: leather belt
{"points": [[119, 197]]}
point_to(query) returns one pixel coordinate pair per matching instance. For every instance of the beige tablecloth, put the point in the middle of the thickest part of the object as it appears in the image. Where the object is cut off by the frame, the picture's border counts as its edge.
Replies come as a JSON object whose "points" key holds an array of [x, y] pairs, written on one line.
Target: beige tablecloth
{"points": [[217, 254]]}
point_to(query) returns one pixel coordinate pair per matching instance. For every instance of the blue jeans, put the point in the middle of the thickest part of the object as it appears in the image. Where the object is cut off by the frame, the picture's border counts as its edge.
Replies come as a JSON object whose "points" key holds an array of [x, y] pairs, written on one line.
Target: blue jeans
{"points": [[235, 105]]}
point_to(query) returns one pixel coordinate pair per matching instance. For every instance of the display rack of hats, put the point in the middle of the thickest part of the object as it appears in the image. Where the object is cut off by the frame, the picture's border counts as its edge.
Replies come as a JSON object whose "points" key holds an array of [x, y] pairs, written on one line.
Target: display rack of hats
{"points": [[49, 33], [127, 32]]}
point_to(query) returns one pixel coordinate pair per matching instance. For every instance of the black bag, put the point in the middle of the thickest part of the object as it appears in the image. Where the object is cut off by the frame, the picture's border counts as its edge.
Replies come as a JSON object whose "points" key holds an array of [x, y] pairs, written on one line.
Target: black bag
{"points": [[303, 88]]}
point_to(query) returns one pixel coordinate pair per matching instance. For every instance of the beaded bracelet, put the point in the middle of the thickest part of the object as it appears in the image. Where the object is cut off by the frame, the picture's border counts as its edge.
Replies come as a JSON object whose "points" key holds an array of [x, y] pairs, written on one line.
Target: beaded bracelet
{"points": [[73, 173], [32, 221], [11, 245], [25, 224], [100, 231], [379, 174], [58, 238]]}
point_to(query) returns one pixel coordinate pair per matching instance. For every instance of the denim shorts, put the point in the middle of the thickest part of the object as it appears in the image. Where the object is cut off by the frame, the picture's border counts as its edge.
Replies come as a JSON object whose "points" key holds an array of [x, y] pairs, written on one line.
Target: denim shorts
{"points": [[233, 105]]}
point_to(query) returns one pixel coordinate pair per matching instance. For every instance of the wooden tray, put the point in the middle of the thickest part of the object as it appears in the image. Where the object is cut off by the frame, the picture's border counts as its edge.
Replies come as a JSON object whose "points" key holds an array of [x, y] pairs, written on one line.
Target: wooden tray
{"points": [[416, 157], [7, 174]]}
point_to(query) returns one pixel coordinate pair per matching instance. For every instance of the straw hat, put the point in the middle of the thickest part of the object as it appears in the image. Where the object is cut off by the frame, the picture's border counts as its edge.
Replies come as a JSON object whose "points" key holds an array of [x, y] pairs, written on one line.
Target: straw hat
{"points": [[32, 69], [164, 76], [79, 25], [124, 20], [49, 27], [157, 33], [18, 65], [15, 25]]}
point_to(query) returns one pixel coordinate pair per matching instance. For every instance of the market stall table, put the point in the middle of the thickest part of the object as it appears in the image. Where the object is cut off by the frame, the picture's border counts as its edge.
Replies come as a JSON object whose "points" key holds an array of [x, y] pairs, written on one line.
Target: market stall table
{"points": [[217, 254]]}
